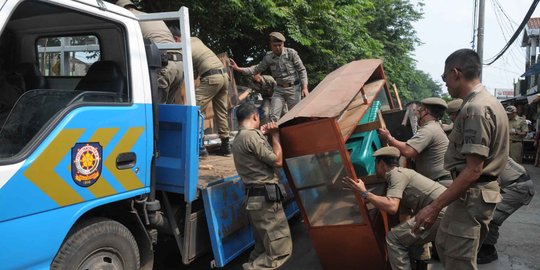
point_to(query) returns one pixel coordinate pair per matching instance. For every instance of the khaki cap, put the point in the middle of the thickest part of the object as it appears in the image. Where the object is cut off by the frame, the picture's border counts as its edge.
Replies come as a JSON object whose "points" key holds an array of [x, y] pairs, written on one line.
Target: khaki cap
{"points": [[124, 3], [434, 101], [277, 36], [387, 151], [511, 109], [454, 105]]}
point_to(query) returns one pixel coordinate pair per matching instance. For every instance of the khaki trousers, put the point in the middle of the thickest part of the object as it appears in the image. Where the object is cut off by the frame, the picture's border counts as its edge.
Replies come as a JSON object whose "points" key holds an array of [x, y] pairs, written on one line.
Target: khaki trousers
{"points": [[289, 96], [465, 226], [401, 238], [514, 196], [214, 88], [170, 80], [516, 151], [273, 244]]}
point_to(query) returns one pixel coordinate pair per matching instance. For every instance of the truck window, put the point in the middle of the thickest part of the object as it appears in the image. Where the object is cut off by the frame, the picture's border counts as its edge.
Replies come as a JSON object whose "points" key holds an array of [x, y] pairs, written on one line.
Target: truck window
{"points": [[67, 55], [53, 69]]}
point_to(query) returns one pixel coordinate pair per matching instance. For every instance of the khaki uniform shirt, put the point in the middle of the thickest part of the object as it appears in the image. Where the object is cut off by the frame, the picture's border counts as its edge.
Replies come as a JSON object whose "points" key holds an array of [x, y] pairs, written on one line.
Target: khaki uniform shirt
{"points": [[413, 189], [204, 59], [253, 157], [481, 128], [265, 88], [285, 68], [157, 31], [512, 172], [430, 142], [518, 124]]}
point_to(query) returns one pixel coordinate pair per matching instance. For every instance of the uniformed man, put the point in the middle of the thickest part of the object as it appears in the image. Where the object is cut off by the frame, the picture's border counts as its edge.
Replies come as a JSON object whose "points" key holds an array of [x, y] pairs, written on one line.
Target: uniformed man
{"points": [[213, 87], [517, 190], [287, 68], [518, 131], [170, 76], [264, 85], [255, 161], [408, 191], [428, 145], [475, 157], [453, 109]]}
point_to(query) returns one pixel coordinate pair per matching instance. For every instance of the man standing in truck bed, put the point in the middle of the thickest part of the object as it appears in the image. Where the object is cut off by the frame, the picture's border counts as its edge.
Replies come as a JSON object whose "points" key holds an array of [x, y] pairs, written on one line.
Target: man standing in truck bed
{"points": [[213, 86], [255, 161], [287, 68]]}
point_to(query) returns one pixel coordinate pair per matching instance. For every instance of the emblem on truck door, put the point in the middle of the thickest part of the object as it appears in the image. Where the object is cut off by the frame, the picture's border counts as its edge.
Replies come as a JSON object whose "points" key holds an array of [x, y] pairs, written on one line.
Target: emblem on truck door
{"points": [[86, 163]]}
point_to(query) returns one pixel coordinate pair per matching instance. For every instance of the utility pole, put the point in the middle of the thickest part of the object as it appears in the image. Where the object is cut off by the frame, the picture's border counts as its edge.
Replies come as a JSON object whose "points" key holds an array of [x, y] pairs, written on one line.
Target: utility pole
{"points": [[480, 44]]}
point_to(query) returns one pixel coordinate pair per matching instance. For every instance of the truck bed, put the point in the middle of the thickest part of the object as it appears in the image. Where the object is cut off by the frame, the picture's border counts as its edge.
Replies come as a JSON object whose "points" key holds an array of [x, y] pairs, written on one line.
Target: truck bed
{"points": [[215, 168]]}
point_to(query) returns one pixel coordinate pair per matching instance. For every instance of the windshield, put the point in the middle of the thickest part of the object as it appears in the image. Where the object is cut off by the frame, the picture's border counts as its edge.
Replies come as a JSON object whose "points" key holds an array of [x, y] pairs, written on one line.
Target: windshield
{"points": [[35, 109]]}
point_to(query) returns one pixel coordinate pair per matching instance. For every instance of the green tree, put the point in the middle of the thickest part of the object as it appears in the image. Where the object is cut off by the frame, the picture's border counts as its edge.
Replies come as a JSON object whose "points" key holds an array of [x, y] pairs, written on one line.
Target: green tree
{"points": [[326, 33], [421, 85]]}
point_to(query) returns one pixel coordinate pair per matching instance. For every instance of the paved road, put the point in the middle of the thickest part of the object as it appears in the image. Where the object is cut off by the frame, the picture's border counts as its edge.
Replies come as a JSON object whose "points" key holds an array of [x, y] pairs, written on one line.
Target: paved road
{"points": [[518, 245]]}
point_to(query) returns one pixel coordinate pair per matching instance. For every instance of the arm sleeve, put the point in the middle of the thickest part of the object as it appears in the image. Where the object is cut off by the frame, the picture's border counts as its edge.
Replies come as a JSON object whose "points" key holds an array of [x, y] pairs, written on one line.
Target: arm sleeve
{"points": [[476, 135], [261, 151], [420, 140], [300, 68], [260, 68], [396, 186]]}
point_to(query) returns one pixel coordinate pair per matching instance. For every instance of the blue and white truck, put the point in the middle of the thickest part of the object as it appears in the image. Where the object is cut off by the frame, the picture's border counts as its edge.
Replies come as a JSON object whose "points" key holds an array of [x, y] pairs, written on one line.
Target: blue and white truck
{"points": [[93, 173]]}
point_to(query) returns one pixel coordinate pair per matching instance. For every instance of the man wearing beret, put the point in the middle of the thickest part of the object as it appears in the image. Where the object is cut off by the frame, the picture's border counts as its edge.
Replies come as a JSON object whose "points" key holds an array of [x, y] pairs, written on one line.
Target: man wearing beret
{"points": [[428, 145], [453, 109], [518, 131], [407, 191], [255, 160], [476, 156], [287, 69]]}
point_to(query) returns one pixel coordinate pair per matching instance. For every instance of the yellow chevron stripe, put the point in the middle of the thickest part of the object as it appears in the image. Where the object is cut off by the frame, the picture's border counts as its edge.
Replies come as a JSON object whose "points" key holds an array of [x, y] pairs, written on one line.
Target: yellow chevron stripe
{"points": [[42, 174], [102, 188], [126, 178]]}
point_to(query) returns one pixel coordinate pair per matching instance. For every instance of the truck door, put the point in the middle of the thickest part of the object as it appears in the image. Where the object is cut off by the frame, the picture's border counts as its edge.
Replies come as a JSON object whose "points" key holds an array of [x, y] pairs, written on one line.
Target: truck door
{"points": [[77, 141]]}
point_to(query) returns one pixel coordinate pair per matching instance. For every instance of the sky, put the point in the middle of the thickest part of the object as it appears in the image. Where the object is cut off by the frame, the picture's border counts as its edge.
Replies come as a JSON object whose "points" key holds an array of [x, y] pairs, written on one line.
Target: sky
{"points": [[448, 26]]}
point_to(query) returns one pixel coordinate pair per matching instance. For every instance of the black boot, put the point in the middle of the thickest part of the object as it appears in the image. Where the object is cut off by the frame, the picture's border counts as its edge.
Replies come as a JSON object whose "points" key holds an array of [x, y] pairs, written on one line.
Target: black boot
{"points": [[203, 153], [225, 149], [487, 254]]}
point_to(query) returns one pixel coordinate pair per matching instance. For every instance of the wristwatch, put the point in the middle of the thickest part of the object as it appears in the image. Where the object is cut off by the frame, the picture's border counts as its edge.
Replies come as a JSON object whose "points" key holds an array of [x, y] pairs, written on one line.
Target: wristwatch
{"points": [[364, 195]]}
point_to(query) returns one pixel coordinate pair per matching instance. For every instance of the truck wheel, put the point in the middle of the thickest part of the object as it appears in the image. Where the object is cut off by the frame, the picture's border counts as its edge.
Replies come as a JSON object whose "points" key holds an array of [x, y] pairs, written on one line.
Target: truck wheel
{"points": [[98, 244]]}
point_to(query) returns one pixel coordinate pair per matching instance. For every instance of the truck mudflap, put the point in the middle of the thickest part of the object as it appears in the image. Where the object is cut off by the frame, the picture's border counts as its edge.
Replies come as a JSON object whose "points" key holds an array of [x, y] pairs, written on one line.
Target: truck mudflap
{"points": [[230, 233]]}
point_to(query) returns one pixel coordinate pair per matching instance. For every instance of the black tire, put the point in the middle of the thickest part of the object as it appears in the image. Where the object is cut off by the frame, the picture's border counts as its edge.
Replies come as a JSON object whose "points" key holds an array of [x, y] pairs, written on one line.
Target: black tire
{"points": [[96, 244]]}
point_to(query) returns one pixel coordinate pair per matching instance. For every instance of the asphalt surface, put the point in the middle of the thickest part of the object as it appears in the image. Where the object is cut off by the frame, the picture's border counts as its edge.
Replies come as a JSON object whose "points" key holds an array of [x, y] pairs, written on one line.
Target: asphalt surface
{"points": [[517, 248]]}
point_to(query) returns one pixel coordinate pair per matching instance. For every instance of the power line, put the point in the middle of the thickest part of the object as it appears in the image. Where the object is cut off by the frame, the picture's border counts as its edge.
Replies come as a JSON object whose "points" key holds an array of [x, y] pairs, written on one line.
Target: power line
{"points": [[506, 27], [504, 13], [516, 33]]}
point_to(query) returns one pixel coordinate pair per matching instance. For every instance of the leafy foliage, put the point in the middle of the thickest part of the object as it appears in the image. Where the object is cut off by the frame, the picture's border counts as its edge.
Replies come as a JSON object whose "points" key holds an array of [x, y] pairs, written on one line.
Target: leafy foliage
{"points": [[326, 33]]}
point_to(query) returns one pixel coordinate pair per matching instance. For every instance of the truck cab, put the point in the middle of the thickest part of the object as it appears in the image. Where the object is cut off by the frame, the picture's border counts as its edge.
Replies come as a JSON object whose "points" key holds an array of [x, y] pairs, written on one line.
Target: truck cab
{"points": [[78, 138]]}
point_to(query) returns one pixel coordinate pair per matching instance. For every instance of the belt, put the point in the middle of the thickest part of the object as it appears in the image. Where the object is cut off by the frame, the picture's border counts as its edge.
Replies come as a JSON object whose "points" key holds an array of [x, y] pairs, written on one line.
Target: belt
{"points": [[212, 72], [516, 141], [174, 57], [482, 179], [285, 85], [256, 191]]}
